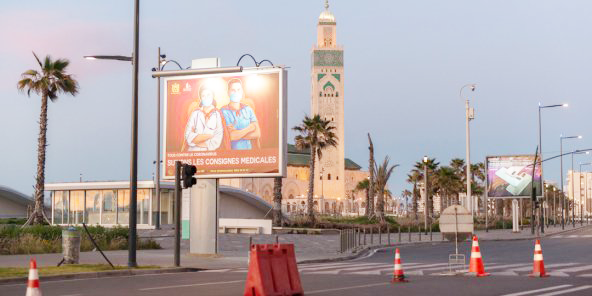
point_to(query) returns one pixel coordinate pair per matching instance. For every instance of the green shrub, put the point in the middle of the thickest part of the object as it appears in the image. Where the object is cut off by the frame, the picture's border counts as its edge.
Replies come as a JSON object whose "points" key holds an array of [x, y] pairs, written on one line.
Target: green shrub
{"points": [[48, 239]]}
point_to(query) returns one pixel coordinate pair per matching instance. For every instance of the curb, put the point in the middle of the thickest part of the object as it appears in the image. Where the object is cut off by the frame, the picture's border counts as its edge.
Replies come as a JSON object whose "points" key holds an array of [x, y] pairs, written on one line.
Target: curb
{"points": [[99, 274]]}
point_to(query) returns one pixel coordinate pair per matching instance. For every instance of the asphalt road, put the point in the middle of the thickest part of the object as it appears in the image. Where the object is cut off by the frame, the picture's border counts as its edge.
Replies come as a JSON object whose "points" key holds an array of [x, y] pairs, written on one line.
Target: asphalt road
{"points": [[567, 258]]}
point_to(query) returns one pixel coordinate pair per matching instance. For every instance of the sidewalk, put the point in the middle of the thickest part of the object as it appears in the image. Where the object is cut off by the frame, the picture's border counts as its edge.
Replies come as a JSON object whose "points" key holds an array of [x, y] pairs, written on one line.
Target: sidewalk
{"points": [[233, 248]]}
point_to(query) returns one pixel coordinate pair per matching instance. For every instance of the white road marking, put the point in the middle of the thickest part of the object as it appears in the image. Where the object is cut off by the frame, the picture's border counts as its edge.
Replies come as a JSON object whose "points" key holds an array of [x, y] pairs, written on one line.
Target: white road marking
{"points": [[191, 285], [216, 270], [323, 268], [567, 291], [576, 269], [339, 270], [538, 290], [546, 266], [380, 271], [346, 288]]}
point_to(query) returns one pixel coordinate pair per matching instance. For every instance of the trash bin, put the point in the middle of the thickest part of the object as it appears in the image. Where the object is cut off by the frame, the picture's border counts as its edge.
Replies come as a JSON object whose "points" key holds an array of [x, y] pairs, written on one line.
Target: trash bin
{"points": [[71, 245]]}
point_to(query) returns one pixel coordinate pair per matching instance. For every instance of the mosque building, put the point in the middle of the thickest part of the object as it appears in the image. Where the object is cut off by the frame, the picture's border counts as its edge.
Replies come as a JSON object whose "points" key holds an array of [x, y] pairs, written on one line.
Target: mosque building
{"points": [[336, 177]]}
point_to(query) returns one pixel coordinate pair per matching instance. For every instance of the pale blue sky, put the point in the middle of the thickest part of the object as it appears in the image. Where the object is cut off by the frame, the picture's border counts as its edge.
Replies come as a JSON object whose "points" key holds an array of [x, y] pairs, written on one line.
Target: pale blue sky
{"points": [[405, 62]]}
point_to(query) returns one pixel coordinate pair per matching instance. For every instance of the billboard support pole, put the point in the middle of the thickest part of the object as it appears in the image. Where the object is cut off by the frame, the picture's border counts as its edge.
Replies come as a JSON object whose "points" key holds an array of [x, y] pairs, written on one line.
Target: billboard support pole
{"points": [[177, 257]]}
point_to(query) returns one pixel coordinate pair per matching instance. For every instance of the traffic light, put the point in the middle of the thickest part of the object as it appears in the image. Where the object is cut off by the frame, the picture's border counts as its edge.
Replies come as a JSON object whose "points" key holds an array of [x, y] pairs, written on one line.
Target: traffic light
{"points": [[187, 177]]}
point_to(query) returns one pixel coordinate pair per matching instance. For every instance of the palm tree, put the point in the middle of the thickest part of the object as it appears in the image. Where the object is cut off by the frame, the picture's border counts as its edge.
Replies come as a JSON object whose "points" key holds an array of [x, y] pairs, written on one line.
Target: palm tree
{"points": [[432, 166], [371, 189], [364, 185], [406, 194], [51, 81], [316, 134], [382, 173], [449, 184], [414, 178], [277, 202]]}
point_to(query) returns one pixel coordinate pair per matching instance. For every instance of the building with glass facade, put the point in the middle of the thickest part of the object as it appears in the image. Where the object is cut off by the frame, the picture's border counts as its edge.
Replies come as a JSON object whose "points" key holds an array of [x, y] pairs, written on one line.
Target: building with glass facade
{"points": [[107, 203]]}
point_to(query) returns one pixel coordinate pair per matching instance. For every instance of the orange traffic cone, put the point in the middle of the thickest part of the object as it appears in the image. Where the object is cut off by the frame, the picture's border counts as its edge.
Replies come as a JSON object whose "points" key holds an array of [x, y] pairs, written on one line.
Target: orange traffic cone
{"points": [[33, 284], [476, 264], [538, 267], [398, 275]]}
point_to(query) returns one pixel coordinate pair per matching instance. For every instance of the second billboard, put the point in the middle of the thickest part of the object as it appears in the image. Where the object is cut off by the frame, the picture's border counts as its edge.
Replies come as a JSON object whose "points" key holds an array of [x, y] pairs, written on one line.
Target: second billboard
{"points": [[511, 176]]}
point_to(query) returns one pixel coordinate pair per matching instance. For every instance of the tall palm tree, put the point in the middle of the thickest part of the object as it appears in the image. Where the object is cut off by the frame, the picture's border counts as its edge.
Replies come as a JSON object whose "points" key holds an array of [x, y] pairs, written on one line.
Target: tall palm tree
{"points": [[277, 202], [364, 185], [49, 82], [406, 194], [317, 135], [382, 174], [414, 178], [371, 189]]}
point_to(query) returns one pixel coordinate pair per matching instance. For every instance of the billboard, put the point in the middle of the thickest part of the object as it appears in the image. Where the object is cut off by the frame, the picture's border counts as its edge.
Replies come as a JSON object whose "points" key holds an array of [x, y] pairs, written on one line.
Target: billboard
{"points": [[227, 125], [511, 176]]}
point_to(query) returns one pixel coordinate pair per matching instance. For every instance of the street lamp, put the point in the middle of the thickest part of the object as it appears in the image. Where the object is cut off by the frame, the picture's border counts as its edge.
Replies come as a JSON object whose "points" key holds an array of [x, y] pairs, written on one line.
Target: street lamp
{"points": [[585, 194], [469, 115], [541, 106], [134, 136], [162, 62], [425, 183], [573, 189], [563, 213]]}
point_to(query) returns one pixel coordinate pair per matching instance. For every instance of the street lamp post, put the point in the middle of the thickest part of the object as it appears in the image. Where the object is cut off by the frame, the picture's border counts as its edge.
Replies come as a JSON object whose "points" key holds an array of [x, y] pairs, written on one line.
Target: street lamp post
{"points": [[563, 213], [469, 115], [134, 133], [425, 182], [541, 142], [585, 194]]}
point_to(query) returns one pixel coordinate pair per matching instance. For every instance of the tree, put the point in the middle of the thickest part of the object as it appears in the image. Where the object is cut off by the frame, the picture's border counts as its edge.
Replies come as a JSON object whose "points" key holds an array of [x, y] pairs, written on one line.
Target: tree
{"points": [[364, 185], [432, 189], [382, 174], [406, 194], [414, 178], [277, 201], [371, 190], [449, 184], [317, 135], [50, 82]]}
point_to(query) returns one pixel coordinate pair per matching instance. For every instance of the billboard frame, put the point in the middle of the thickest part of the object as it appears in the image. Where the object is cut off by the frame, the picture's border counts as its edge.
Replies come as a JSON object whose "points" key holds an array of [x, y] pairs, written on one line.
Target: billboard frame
{"points": [[283, 118], [538, 162]]}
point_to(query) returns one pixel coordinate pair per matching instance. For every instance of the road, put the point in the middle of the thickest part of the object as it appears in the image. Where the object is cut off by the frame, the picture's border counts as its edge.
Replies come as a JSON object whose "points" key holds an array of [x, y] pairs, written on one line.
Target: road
{"points": [[567, 258]]}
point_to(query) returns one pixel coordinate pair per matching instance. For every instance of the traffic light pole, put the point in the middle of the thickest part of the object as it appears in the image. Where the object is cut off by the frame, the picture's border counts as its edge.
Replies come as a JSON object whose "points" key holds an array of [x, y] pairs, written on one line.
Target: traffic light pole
{"points": [[177, 213]]}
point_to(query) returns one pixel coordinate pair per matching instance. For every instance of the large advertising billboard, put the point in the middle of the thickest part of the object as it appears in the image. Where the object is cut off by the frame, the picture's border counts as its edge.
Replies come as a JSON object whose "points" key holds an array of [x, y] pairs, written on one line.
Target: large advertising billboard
{"points": [[227, 125], [511, 176]]}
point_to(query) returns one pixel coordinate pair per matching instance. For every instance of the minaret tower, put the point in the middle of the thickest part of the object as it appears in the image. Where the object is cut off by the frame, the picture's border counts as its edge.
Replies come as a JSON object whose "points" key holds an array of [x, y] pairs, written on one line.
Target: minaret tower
{"points": [[327, 101]]}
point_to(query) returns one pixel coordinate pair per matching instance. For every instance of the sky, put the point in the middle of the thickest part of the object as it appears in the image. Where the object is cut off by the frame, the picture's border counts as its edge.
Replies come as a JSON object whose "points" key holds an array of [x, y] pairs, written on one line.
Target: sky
{"points": [[405, 62]]}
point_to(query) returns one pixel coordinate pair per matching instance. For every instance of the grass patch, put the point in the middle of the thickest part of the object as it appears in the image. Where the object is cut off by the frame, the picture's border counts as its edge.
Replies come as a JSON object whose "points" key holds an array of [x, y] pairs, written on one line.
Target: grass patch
{"points": [[15, 221], [7, 272]]}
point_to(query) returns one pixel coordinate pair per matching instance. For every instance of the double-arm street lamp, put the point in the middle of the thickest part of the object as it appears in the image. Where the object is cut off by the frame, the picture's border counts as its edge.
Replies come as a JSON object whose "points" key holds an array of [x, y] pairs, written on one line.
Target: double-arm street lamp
{"points": [[469, 115], [541, 106], [563, 208], [134, 137], [585, 194]]}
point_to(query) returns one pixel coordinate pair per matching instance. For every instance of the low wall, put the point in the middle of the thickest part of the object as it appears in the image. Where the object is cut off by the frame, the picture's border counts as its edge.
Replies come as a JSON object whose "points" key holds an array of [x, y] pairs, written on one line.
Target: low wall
{"points": [[245, 225]]}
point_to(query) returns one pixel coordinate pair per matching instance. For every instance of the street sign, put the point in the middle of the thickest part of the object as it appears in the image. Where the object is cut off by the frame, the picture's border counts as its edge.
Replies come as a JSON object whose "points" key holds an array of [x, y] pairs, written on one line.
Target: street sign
{"points": [[456, 220]]}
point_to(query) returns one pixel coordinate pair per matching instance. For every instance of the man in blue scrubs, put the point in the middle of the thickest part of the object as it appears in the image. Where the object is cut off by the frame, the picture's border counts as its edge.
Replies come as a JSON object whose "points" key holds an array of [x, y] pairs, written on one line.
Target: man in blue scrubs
{"points": [[240, 118]]}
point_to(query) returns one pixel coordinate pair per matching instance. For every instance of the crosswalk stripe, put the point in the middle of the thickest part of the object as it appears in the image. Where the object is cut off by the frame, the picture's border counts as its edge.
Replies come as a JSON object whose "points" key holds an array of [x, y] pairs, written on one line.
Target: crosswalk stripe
{"points": [[538, 290], [567, 291], [508, 265], [585, 275], [576, 269], [320, 268], [338, 270], [546, 266]]}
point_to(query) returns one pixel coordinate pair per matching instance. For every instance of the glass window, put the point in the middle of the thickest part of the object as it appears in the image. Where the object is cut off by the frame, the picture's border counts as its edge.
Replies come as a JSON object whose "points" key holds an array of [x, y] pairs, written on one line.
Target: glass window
{"points": [[123, 198], [143, 206], [58, 207], [109, 207], [166, 207], [93, 207], [76, 207]]}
